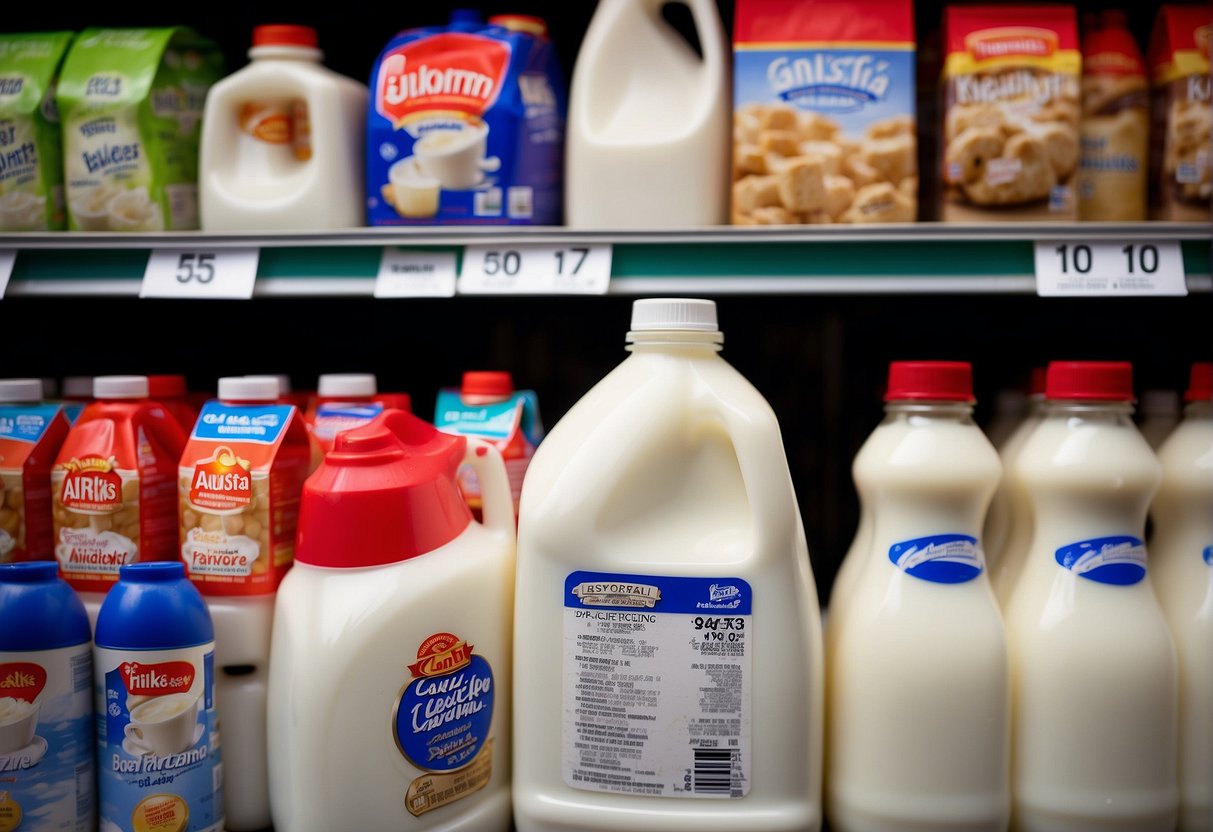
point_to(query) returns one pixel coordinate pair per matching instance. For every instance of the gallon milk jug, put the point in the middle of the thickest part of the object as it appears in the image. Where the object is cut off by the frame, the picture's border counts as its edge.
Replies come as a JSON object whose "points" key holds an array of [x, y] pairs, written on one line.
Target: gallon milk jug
{"points": [[389, 701], [282, 140], [1093, 671], [918, 720], [648, 131], [157, 724], [667, 623], [46, 702], [1182, 555]]}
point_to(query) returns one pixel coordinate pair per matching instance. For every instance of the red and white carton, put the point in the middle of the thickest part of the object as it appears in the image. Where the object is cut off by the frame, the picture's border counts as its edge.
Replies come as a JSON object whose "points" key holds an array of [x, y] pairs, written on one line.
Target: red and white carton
{"points": [[31, 432]]}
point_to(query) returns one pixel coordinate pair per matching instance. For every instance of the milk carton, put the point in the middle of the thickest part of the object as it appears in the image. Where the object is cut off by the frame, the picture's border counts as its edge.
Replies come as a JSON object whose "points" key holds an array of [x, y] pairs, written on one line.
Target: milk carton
{"points": [[31, 160], [466, 125], [31, 433], [131, 104]]}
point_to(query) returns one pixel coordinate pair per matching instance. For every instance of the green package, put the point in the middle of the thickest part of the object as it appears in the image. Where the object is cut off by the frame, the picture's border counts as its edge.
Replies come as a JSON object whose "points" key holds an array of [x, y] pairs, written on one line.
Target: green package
{"points": [[131, 102], [31, 161]]}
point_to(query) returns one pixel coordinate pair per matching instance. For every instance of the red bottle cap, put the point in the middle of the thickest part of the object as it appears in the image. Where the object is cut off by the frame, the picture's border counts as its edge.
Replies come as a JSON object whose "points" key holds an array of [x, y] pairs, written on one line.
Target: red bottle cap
{"points": [[397, 401], [285, 35], [1200, 383], [937, 381], [1110, 381], [166, 387], [487, 383], [386, 492]]}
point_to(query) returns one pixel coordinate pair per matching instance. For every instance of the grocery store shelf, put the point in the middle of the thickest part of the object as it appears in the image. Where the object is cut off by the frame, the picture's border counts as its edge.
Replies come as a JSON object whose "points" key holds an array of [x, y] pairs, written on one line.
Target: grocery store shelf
{"points": [[893, 259]]}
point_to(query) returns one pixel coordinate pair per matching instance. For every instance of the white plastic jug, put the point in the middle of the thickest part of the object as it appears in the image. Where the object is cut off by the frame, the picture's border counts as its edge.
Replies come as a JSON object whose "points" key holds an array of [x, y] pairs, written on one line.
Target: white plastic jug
{"points": [[1181, 552], [667, 624], [648, 129], [390, 684], [918, 717], [281, 144], [1093, 669]]}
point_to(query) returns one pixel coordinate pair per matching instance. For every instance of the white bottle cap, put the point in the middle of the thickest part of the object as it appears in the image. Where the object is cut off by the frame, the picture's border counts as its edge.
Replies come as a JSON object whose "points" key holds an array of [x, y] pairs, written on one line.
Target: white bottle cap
{"points": [[282, 379], [346, 384], [249, 388], [78, 387], [120, 387], [677, 314], [20, 390]]}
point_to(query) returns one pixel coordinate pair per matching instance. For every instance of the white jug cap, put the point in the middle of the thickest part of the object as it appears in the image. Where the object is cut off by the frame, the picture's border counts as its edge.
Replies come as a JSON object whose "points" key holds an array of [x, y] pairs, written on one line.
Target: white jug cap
{"points": [[20, 390], [120, 387], [249, 388], [78, 387], [666, 314], [283, 380], [346, 384]]}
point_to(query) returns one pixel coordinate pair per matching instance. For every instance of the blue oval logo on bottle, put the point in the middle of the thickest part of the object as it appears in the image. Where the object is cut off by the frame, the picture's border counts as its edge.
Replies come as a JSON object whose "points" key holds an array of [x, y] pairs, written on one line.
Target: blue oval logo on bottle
{"points": [[939, 558], [443, 716], [1119, 560], [1209, 555]]}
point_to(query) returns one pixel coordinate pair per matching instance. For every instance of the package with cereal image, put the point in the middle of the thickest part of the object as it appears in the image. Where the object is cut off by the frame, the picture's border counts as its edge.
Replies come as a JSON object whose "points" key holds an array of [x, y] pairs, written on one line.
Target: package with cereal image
{"points": [[1011, 113], [824, 127]]}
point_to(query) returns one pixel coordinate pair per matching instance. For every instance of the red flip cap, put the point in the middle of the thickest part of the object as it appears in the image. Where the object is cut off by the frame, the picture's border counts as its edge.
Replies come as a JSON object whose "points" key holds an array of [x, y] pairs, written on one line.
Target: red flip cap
{"points": [[936, 381], [385, 493], [1200, 383], [1101, 381], [487, 383]]}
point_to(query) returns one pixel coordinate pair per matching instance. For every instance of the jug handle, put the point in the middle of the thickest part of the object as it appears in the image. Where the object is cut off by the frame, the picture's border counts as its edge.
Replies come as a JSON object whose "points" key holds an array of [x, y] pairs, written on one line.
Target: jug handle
{"points": [[707, 26], [498, 508]]}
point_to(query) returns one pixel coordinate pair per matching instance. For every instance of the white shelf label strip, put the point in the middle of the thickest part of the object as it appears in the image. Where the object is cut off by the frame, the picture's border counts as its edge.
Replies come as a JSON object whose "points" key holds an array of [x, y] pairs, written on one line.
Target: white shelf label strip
{"points": [[414, 274], [8, 259], [536, 270], [1081, 268], [219, 274]]}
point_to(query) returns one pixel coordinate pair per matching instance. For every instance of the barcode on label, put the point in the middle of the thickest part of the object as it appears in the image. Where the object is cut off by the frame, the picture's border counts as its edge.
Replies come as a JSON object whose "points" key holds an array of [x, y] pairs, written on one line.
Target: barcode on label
{"points": [[713, 772]]}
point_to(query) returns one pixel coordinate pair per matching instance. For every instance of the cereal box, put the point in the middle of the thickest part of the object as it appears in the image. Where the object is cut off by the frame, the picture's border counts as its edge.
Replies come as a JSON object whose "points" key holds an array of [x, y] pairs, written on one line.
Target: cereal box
{"points": [[30, 436], [1011, 113], [1179, 149], [824, 125]]}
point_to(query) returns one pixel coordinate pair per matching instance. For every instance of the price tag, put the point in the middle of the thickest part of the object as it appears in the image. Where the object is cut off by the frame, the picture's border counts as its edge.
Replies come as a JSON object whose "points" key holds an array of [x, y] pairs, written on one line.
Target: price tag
{"points": [[8, 259], [1076, 268], [536, 270], [415, 274], [219, 274]]}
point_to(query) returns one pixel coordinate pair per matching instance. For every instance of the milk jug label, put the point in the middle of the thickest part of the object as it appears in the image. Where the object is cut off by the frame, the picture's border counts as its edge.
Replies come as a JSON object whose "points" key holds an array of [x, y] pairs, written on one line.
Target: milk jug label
{"points": [[939, 558], [46, 739], [1119, 560], [443, 723], [657, 685], [158, 740]]}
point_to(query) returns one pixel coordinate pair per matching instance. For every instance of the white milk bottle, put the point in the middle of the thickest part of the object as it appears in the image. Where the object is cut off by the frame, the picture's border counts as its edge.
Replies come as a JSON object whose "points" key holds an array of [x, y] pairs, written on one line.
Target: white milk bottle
{"points": [[282, 141], [667, 623], [1093, 673], [918, 721], [1182, 555], [389, 696], [648, 128]]}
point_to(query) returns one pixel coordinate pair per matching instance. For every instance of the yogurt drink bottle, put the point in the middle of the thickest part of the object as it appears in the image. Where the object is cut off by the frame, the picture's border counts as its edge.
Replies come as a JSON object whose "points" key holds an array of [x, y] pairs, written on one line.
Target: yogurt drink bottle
{"points": [[917, 678], [1093, 667], [667, 626], [1182, 554]]}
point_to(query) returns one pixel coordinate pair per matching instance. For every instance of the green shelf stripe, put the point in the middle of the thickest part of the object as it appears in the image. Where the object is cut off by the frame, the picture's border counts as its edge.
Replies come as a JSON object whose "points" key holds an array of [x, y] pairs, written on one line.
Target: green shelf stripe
{"points": [[76, 264]]}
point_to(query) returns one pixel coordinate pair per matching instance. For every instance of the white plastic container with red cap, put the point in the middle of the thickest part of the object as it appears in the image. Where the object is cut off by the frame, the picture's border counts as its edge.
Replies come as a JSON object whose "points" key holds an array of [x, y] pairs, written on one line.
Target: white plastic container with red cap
{"points": [[667, 624], [1093, 672], [281, 145], [918, 716], [1181, 552], [390, 677]]}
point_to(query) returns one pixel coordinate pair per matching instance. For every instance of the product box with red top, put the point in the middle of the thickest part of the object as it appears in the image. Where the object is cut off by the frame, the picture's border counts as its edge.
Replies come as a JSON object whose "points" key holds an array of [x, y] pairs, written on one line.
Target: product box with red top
{"points": [[31, 433], [1182, 114], [239, 483], [466, 126], [1011, 113], [171, 391], [114, 485], [488, 407]]}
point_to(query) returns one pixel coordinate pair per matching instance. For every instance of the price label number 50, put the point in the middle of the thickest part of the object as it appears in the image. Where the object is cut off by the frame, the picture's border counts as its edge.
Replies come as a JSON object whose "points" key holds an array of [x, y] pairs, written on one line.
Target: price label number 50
{"points": [[582, 270]]}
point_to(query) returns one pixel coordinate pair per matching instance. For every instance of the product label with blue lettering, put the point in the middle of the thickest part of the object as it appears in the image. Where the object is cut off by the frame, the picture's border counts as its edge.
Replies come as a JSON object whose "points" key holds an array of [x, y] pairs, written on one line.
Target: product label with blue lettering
{"points": [[46, 740], [939, 558], [443, 723], [246, 423], [334, 417], [1119, 560], [26, 422], [158, 740], [657, 685]]}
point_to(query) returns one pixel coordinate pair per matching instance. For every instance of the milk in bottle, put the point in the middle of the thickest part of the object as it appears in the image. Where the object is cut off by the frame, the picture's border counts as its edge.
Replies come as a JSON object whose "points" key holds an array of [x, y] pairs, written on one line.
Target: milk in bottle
{"points": [[918, 718], [1093, 667], [667, 624], [1182, 554]]}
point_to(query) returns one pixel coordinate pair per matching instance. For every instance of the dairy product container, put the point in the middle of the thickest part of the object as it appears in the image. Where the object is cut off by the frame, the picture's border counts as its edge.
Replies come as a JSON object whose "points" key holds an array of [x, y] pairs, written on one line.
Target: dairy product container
{"points": [[390, 678], [46, 707], [282, 144], [1093, 667], [157, 723], [918, 715], [648, 121], [31, 433], [665, 603], [1182, 554]]}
